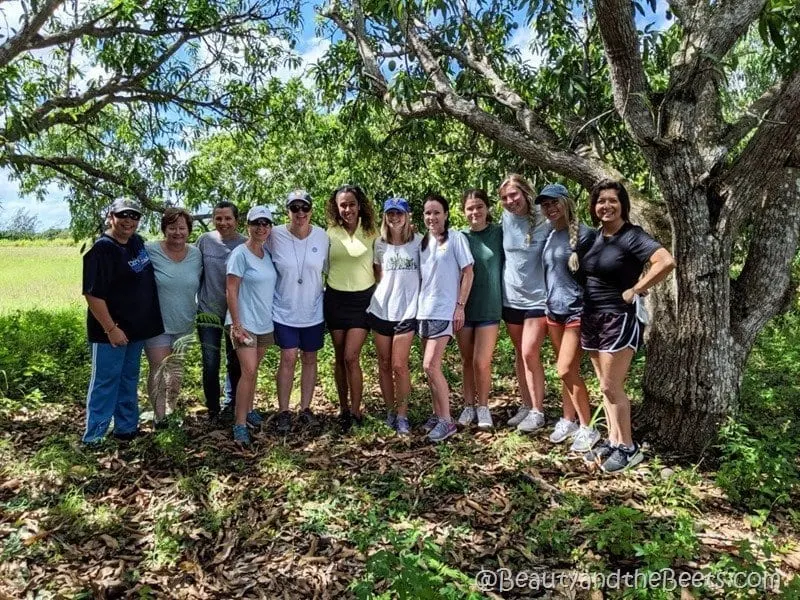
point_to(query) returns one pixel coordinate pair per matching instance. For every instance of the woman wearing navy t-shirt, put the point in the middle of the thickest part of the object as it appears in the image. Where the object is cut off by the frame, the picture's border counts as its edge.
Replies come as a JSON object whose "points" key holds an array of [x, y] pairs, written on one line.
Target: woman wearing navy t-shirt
{"points": [[610, 331]]}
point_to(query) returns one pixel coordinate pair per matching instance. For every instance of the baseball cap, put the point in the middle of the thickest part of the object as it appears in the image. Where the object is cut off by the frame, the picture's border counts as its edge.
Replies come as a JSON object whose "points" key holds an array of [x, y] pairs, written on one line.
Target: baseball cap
{"points": [[400, 204], [258, 212], [122, 204], [298, 196], [552, 190]]}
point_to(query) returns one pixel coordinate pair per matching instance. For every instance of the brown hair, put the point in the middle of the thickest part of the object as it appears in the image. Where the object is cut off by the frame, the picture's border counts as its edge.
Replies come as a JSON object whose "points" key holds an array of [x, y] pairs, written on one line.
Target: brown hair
{"points": [[172, 214], [622, 196], [366, 212], [475, 193]]}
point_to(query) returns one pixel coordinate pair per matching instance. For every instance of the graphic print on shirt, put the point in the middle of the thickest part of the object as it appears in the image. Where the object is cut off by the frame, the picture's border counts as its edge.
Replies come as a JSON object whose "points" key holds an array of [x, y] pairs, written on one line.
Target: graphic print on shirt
{"points": [[141, 261]]}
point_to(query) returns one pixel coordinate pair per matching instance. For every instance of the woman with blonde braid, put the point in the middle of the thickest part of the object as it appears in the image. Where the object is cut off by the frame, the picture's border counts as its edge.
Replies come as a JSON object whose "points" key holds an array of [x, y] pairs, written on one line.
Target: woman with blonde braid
{"points": [[568, 241], [524, 297]]}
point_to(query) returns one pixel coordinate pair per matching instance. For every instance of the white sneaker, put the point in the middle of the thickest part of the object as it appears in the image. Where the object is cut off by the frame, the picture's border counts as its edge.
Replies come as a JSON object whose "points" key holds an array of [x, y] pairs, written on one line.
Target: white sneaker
{"points": [[519, 417], [467, 416], [533, 420], [484, 418], [585, 439], [563, 430]]}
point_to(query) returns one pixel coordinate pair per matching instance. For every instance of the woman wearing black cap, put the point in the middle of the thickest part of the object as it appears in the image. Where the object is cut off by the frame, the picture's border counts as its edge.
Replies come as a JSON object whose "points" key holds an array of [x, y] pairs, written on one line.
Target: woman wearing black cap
{"points": [[120, 289]]}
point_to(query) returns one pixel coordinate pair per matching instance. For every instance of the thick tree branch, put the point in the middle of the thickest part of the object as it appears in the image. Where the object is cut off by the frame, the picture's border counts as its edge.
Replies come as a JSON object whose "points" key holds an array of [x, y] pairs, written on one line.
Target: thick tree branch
{"points": [[23, 40], [762, 289], [631, 91], [752, 118]]}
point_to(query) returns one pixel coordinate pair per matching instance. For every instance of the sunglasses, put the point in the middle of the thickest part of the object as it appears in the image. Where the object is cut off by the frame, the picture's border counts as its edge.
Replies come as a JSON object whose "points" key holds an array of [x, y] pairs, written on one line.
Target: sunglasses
{"points": [[128, 214], [261, 223], [296, 208]]}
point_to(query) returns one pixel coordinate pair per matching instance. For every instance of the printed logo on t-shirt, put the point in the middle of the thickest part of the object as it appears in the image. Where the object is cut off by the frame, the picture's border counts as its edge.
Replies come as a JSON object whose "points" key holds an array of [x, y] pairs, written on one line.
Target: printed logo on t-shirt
{"points": [[401, 263], [140, 263], [314, 249]]}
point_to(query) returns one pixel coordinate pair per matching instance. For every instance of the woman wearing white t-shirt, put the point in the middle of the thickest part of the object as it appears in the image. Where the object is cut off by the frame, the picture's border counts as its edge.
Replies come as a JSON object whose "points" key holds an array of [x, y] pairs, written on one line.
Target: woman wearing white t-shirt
{"points": [[393, 309], [446, 270], [249, 290], [299, 251]]}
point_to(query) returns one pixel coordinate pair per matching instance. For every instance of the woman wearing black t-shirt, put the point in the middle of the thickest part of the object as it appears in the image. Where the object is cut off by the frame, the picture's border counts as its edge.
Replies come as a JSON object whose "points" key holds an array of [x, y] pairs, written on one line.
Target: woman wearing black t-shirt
{"points": [[610, 331]]}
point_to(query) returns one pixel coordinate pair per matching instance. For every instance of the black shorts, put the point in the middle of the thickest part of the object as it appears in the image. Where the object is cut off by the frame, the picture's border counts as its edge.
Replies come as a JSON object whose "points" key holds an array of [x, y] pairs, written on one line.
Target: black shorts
{"points": [[517, 316], [346, 310], [390, 328], [610, 332]]}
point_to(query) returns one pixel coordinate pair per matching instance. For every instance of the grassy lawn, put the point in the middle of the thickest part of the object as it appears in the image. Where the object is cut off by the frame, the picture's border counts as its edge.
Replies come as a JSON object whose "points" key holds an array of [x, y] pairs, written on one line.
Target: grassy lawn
{"points": [[39, 276]]}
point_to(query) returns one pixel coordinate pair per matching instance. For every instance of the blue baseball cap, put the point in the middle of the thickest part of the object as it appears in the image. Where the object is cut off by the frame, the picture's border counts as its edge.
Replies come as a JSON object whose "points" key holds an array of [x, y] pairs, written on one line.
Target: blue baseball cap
{"points": [[400, 204], [552, 190]]}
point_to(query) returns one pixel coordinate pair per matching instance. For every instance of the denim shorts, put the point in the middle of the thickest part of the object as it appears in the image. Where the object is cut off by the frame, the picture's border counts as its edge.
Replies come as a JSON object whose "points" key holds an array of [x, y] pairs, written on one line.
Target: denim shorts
{"points": [[477, 324]]}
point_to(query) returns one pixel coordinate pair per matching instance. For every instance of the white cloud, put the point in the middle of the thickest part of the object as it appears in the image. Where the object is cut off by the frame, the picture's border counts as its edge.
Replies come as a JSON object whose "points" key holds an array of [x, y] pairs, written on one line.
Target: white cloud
{"points": [[52, 212]]}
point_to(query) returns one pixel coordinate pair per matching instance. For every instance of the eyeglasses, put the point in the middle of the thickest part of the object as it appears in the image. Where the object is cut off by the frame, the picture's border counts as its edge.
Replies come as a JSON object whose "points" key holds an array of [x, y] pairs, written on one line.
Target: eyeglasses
{"points": [[300, 206], [261, 223], [128, 214]]}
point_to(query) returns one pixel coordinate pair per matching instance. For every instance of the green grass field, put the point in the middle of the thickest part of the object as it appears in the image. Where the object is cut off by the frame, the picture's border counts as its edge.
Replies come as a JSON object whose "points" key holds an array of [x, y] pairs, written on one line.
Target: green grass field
{"points": [[33, 276]]}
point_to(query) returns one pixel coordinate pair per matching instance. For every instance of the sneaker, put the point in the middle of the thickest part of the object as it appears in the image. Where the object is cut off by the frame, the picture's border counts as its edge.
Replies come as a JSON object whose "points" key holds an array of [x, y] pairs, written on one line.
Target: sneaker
{"points": [[241, 435], [160, 425], [585, 439], [307, 417], [283, 423], [254, 419], [442, 431], [429, 425], [534, 420], [126, 437], [402, 426], [227, 415], [358, 420], [345, 421], [564, 429], [484, 418], [519, 417], [391, 419], [622, 459], [467, 416], [600, 452]]}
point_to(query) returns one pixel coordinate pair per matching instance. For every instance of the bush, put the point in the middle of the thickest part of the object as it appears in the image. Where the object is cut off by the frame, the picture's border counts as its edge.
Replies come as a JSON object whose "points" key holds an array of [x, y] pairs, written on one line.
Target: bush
{"points": [[44, 355], [758, 473]]}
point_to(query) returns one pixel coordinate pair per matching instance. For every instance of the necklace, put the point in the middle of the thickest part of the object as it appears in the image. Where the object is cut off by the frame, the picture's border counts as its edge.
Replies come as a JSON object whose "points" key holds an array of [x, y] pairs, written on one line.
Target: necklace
{"points": [[300, 267]]}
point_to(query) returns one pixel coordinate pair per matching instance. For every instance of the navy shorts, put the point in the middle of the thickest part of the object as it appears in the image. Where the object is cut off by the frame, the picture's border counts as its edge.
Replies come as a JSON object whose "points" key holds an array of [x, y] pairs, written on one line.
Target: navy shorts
{"points": [[390, 328], [517, 316], [610, 332], [308, 339]]}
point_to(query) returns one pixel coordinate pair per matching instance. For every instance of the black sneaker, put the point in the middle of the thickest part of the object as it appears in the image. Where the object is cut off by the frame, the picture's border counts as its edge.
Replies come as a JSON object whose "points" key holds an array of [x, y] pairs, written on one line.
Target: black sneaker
{"points": [[307, 417], [126, 437], [358, 420], [622, 459], [226, 416], [600, 452], [283, 422], [160, 425], [345, 421]]}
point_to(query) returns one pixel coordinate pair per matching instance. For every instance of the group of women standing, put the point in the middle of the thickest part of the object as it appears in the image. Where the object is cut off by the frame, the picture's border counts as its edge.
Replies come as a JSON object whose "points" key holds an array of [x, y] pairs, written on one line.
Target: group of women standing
{"points": [[540, 270]]}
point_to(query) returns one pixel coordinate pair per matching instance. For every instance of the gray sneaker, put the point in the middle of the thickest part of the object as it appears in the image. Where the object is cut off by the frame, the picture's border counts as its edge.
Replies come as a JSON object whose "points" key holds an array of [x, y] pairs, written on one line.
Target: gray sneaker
{"points": [[401, 426], [391, 419], [432, 422], [467, 416], [519, 417], [599, 453], [622, 459], [533, 421], [564, 430], [484, 418], [283, 422], [442, 431], [585, 439]]}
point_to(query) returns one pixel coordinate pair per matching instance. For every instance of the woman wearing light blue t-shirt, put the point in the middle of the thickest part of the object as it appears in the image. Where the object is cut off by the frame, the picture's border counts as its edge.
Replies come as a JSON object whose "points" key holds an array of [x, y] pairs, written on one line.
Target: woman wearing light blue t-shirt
{"points": [[249, 290], [524, 296], [178, 267]]}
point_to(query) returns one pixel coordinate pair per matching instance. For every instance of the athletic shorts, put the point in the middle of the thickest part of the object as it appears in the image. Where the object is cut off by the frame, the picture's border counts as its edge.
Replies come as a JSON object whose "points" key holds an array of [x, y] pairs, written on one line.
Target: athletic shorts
{"points": [[262, 340], [307, 339], [346, 310], [434, 328], [565, 321], [477, 324], [518, 316], [390, 328], [610, 332]]}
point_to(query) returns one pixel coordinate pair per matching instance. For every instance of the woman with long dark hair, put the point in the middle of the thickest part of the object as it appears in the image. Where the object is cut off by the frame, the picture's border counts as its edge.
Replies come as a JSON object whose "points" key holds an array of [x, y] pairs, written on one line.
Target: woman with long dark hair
{"points": [[446, 270]]}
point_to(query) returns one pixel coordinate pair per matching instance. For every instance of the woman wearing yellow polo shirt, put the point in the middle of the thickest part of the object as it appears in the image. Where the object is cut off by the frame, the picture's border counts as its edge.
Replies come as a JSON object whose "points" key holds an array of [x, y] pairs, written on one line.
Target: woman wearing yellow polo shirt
{"points": [[351, 281]]}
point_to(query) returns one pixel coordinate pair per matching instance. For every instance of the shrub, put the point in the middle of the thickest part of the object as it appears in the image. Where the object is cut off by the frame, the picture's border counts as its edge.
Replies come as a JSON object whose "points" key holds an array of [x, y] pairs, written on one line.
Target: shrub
{"points": [[44, 355]]}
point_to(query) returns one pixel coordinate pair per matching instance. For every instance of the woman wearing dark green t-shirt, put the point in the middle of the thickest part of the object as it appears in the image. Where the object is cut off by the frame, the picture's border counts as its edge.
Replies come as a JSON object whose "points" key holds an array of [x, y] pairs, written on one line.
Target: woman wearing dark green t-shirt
{"points": [[477, 339]]}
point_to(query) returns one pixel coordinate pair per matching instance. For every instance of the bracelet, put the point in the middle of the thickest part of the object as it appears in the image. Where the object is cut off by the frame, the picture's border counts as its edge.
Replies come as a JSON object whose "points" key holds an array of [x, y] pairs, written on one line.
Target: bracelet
{"points": [[107, 331]]}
